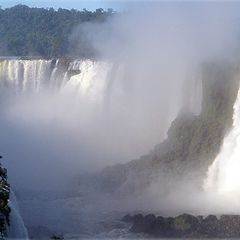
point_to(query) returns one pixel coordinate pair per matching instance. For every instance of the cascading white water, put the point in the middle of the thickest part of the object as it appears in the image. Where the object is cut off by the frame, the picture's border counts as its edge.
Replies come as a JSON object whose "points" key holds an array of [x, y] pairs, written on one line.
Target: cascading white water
{"points": [[24, 75], [223, 175], [62, 117], [90, 82], [17, 229], [112, 89], [36, 75], [102, 96]]}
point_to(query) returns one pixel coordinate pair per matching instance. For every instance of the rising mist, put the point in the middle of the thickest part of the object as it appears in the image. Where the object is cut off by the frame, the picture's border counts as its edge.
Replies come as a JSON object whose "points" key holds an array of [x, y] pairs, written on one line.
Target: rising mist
{"points": [[116, 111]]}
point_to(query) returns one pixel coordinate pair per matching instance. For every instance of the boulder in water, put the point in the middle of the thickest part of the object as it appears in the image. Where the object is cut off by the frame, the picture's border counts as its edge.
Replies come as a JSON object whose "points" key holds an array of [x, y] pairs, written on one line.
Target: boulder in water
{"points": [[186, 226]]}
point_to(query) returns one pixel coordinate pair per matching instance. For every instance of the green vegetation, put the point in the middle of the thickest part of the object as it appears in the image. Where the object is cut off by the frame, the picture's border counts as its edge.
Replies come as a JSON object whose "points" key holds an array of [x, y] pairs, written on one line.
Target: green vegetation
{"points": [[4, 199], [26, 31]]}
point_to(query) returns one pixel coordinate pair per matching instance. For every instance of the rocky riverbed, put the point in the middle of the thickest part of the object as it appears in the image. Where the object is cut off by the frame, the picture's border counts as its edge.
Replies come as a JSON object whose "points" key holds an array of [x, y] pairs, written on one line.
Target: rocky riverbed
{"points": [[185, 226]]}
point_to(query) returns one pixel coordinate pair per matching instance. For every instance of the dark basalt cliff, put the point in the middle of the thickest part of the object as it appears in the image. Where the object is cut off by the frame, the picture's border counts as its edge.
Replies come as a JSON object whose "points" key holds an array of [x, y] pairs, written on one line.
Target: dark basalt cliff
{"points": [[193, 141], [4, 200]]}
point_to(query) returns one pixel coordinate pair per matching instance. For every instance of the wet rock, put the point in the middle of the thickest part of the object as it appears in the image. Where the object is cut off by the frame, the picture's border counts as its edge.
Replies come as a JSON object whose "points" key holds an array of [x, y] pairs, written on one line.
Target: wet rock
{"points": [[5, 210], [229, 226], [73, 72], [210, 226], [186, 226], [127, 218], [138, 224], [163, 227]]}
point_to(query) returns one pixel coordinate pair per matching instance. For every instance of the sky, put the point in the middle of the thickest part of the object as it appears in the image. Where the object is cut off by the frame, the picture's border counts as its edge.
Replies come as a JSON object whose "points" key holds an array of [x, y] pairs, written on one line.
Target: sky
{"points": [[68, 4]]}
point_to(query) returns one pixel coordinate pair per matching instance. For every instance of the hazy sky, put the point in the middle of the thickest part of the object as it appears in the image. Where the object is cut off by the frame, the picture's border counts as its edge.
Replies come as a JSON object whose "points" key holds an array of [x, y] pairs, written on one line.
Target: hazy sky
{"points": [[78, 4]]}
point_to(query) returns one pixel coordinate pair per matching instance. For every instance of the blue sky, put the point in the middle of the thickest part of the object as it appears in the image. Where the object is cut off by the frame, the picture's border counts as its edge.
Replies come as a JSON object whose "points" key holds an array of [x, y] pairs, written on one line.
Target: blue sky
{"points": [[78, 4]]}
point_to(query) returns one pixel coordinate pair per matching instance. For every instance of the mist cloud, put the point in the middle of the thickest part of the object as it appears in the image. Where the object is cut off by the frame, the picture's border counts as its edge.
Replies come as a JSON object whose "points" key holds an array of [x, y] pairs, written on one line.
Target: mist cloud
{"points": [[155, 50]]}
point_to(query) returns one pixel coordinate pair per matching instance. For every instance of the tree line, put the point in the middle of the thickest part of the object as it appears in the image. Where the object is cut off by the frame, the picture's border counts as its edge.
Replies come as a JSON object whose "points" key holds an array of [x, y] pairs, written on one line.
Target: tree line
{"points": [[26, 31]]}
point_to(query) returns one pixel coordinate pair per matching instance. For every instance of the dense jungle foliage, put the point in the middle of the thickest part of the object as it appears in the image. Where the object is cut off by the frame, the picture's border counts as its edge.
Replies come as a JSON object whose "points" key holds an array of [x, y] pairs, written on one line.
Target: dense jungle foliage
{"points": [[26, 31]]}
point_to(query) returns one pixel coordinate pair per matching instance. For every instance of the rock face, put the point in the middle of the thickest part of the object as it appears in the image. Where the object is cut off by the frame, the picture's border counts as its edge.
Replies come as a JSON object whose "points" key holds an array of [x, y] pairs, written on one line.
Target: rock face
{"points": [[193, 141], [186, 226], [4, 199]]}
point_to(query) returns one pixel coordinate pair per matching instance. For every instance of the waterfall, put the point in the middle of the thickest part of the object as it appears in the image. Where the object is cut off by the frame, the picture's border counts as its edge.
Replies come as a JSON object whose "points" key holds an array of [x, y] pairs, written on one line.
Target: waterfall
{"points": [[90, 82], [67, 116], [24, 75], [105, 93], [99, 81], [86, 77], [223, 175], [17, 228], [37, 75]]}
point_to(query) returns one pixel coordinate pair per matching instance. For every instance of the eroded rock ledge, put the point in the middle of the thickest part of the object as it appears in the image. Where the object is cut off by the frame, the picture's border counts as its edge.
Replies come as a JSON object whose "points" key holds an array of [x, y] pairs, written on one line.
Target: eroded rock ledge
{"points": [[186, 225]]}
